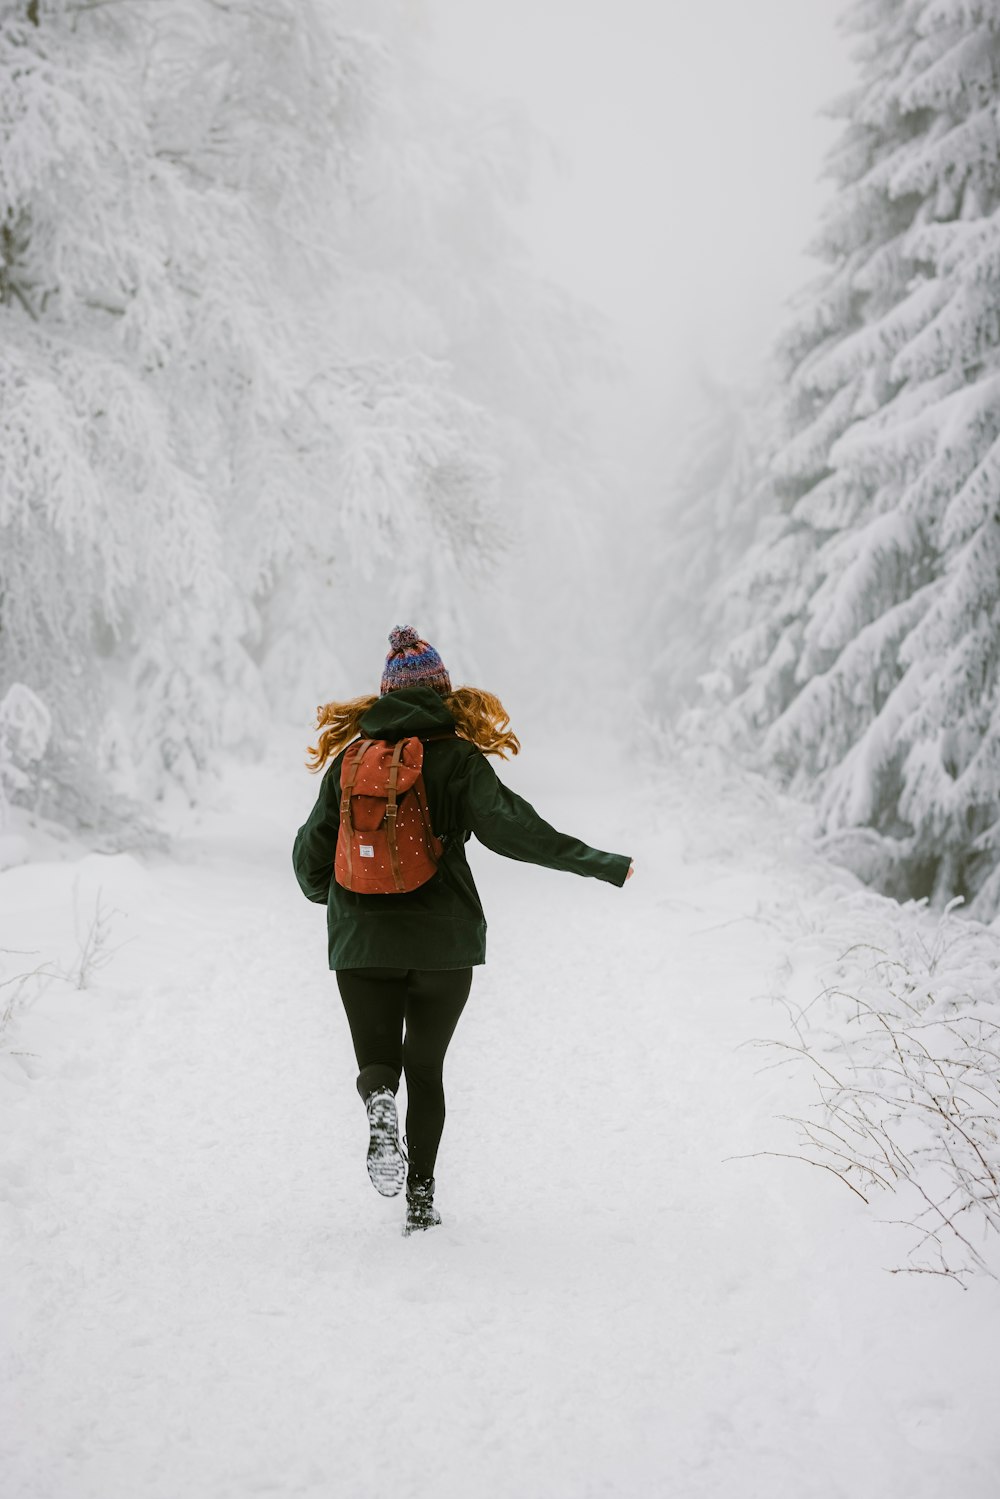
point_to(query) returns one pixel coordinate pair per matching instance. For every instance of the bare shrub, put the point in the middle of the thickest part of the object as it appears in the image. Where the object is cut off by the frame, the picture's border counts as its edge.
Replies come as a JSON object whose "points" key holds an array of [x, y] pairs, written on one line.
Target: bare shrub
{"points": [[18, 991], [93, 935], [904, 1053]]}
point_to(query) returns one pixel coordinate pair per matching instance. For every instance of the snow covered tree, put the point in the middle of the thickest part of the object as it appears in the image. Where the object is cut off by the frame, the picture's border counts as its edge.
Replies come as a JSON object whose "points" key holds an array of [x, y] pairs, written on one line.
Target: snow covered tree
{"points": [[141, 359], [869, 669], [265, 335], [706, 524], [25, 726]]}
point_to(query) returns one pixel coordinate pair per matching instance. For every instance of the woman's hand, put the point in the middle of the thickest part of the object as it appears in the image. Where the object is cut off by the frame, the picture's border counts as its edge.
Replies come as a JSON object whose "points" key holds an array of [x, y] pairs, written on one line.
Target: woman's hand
{"points": [[631, 871]]}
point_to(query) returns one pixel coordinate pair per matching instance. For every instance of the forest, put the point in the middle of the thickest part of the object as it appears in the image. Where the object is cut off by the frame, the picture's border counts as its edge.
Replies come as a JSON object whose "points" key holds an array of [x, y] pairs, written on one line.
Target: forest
{"points": [[274, 355], [282, 372], [272, 364], [838, 536]]}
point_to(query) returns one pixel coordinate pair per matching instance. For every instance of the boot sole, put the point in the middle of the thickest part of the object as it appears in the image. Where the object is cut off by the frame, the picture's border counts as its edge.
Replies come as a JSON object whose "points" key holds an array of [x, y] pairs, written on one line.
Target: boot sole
{"points": [[386, 1161]]}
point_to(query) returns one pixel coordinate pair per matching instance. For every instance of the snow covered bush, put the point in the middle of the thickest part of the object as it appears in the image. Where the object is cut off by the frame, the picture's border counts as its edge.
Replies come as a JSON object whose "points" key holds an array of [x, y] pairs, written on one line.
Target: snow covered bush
{"points": [[267, 348], [903, 1047], [25, 727], [867, 668], [884, 1064]]}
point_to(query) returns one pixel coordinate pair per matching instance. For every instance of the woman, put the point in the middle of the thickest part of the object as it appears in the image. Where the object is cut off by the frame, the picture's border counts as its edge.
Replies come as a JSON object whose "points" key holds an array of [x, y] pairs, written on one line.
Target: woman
{"points": [[404, 961]]}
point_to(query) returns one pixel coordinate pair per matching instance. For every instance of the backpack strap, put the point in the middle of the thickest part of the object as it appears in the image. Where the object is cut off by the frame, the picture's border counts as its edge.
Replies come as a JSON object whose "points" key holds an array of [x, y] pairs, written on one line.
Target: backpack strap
{"points": [[390, 815], [352, 767], [346, 786]]}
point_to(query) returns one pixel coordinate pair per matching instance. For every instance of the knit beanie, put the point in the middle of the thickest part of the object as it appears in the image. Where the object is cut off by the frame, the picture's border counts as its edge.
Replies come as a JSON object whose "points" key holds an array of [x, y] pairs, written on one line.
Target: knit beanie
{"points": [[411, 662]]}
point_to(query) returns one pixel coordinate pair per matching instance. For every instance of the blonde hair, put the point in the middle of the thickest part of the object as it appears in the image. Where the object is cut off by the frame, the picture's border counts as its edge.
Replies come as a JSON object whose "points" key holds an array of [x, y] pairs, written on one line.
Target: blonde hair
{"points": [[479, 717]]}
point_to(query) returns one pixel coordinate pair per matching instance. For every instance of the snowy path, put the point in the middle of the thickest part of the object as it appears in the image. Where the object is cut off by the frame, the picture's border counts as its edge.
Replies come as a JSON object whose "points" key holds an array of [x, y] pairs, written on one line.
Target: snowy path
{"points": [[206, 1299]]}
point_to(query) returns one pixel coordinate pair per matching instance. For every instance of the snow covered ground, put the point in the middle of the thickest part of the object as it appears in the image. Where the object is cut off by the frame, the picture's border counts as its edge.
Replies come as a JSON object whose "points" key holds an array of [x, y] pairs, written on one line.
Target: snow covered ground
{"points": [[204, 1297]]}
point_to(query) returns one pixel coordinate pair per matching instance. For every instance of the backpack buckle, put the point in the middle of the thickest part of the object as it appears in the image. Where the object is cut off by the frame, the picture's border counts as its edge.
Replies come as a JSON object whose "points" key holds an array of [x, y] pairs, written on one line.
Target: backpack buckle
{"points": [[391, 809]]}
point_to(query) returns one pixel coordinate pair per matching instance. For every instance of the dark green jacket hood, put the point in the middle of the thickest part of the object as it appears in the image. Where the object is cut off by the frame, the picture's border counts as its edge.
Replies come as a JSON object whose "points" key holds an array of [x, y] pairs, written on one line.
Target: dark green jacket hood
{"points": [[408, 710]]}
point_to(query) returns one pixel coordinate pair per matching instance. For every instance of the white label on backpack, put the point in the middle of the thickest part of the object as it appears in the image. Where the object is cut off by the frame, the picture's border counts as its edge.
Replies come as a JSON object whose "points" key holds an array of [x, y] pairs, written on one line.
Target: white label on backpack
{"points": [[367, 852]]}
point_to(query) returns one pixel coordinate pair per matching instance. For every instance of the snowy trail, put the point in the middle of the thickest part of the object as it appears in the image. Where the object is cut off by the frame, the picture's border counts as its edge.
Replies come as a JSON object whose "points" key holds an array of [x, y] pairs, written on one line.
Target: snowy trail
{"points": [[205, 1297]]}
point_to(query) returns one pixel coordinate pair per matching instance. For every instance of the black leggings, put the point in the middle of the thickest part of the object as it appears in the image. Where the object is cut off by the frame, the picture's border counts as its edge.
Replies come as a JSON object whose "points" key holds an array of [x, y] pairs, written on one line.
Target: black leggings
{"points": [[429, 1002]]}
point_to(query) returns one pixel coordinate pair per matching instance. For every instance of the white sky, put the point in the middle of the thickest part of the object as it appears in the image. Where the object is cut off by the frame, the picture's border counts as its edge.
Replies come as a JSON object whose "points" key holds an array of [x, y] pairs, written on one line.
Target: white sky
{"points": [[692, 146]]}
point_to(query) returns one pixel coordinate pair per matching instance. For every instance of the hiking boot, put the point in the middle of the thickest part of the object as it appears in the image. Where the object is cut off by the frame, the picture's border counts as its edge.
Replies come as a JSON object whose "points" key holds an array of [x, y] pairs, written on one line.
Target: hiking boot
{"points": [[420, 1210], [386, 1161]]}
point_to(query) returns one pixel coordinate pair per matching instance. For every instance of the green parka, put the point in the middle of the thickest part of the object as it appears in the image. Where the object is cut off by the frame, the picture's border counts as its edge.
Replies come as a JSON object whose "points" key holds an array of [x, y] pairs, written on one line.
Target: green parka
{"points": [[441, 924]]}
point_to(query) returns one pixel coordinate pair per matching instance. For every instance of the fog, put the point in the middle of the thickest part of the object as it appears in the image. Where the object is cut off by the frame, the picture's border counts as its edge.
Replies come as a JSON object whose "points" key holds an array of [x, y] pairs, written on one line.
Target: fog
{"points": [[682, 179]]}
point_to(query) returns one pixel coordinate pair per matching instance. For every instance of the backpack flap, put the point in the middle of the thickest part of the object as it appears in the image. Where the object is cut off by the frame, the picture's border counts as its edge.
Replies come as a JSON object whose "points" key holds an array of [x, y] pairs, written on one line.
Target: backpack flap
{"points": [[373, 773], [385, 844]]}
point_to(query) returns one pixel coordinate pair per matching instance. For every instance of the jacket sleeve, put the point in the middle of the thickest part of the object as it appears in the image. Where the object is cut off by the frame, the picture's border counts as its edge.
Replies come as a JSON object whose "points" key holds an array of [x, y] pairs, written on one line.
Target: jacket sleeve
{"points": [[316, 842], [509, 825]]}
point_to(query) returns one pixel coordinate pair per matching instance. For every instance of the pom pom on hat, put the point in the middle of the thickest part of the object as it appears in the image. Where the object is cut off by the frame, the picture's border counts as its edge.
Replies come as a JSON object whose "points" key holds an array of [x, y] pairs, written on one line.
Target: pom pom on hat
{"points": [[412, 662], [402, 636]]}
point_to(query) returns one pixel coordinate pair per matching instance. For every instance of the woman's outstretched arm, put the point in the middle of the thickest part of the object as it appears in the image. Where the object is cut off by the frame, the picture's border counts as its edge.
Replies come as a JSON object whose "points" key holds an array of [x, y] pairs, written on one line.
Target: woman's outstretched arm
{"points": [[509, 825]]}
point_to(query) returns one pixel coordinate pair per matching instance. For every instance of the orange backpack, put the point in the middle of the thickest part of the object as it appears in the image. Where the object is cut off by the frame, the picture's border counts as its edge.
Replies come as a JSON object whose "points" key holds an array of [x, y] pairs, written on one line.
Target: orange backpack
{"points": [[385, 844]]}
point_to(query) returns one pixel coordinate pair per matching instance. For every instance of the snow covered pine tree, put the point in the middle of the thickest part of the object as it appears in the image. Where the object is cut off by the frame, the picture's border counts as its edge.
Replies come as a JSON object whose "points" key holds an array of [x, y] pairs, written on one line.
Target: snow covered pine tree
{"points": [[246, 356], [868, 669]]}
